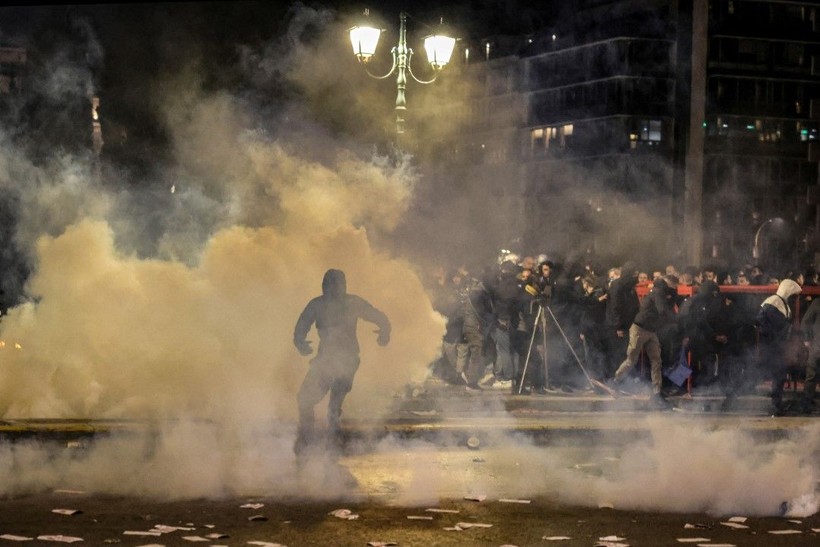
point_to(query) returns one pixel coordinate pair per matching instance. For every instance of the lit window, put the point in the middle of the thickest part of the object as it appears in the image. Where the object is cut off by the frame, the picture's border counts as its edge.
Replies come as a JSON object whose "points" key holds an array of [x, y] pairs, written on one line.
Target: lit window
{"points": [[650, 131]]}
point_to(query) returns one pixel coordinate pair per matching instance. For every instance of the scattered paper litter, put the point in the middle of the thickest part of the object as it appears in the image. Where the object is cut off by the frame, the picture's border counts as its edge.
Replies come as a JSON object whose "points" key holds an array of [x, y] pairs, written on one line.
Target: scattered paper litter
{"points": [[252, 506], [466, 525], [555, 538], [611, 538], [817, 530], [693, 540], [69, 492], [66, 511], [165, 529], [716, 545], [697, 526], [511, 500], [258, 518], [12, 537], [480, 497], [434, 510], [785, 532], [195, 539], [345, 514], [736, 525], [610, 544], [419, 517], [266, 544], [59, 538], [154, 533], [217, 536], [381, 543], [737, 519], [795, 521]]}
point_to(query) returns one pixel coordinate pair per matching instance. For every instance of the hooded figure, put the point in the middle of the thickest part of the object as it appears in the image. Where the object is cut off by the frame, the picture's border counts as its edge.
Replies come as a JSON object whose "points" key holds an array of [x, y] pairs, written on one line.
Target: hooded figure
{"points": [[335, 314], [774, 320]]}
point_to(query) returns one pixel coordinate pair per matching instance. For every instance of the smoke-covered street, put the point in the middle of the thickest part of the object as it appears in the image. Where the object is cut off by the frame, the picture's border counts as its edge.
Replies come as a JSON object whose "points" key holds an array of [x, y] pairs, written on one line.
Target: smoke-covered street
{"points": [[476, 497]]}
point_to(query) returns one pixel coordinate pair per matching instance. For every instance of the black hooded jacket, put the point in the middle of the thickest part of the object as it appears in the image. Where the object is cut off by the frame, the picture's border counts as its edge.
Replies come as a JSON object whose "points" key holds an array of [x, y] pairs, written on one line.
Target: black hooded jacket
{"points": [[336, 314]]}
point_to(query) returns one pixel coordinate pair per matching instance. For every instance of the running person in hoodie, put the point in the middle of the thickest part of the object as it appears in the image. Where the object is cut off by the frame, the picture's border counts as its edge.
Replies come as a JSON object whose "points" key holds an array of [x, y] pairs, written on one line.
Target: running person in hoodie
{"points": [[335, 314], [774, 321]]}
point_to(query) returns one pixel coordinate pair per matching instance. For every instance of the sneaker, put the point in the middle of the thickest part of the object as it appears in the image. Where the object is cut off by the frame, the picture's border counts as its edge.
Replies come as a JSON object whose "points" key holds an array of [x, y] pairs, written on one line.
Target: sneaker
{"points": [[488, 380], [474, 388]]}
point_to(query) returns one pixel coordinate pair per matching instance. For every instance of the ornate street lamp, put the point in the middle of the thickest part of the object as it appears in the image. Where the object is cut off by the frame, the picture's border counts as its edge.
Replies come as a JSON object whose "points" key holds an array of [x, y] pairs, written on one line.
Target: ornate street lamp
{"points": [[439, 47]]}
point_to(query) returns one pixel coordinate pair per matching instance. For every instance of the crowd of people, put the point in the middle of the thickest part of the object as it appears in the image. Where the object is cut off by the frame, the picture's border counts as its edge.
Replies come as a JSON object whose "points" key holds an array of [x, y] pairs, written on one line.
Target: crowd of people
{"points": [[534, 326]]}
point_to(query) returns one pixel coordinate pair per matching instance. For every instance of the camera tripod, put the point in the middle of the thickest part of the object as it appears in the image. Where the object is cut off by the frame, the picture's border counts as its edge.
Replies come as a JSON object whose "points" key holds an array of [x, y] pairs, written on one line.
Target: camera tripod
{"points": [[541, 320]]}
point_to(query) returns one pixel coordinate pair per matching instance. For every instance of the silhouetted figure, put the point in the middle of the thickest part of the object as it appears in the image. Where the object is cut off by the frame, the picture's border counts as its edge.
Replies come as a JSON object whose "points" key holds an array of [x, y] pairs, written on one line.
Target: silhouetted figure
{"points": [[335, 315]]}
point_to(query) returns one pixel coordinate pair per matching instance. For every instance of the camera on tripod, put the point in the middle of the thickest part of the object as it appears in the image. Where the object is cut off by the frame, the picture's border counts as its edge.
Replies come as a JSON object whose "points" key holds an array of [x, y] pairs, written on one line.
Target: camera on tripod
{"points": [[544, 296]]}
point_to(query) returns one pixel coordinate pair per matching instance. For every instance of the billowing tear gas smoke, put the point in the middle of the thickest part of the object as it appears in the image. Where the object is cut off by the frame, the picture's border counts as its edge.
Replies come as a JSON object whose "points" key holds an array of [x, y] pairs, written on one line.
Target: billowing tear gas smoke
{"points": [[196, 336]]}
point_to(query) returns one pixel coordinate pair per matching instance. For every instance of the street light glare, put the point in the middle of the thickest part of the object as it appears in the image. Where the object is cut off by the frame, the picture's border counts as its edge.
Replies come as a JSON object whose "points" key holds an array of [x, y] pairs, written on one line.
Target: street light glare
{"points": [[439, 49], [364, 40]]}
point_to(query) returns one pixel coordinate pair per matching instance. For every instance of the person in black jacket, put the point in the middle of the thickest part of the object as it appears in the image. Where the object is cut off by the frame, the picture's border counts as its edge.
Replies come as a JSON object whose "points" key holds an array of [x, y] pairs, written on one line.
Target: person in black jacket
{"points": [[656, 310], [335, 314], [621, 307], [504, 295], [593, 315], [774, 321], [705, 329]]}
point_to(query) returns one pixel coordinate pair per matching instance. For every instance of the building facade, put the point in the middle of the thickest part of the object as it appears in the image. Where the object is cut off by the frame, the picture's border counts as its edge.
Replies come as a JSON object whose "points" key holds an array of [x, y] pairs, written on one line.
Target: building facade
{"points": [[645, 129]]}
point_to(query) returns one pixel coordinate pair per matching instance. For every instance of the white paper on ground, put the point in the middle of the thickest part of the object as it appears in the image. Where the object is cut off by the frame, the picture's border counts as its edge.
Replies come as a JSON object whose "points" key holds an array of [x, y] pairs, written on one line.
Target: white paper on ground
{"points": [[345, 514], [195, 539], [252, 506], [555, 538], [610, 544], [434, 510], [266, 544], [737, 519], [697, 526], [480, 497], [258, 518], [511, 500], [164, 529], [466, 525], [785, 532], [611, 538], [419, 517], [66, 511], [693, 540], [216, 536], [153, 533], [12, 537], [381, 543], [716, 545], [59, 538]]}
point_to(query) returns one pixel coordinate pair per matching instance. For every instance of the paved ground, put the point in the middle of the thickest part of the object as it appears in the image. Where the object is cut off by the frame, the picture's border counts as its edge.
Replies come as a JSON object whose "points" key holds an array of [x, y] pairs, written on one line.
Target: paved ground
{"points": [[579, 466]]}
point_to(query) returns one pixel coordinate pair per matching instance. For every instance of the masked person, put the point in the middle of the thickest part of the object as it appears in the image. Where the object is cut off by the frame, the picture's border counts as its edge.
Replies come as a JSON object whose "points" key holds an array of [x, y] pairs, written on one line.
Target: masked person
{"points": [[774, 321], [335, 314]]}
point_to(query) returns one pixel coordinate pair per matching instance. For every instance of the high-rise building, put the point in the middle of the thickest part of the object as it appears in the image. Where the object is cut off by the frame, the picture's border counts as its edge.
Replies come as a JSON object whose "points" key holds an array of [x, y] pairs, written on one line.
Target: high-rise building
{"points": [[653, 129]]}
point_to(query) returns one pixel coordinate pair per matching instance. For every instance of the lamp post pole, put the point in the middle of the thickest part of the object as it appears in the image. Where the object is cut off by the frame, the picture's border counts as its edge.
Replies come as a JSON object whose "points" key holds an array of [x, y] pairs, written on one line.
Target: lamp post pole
{"points": [[402, 55]]}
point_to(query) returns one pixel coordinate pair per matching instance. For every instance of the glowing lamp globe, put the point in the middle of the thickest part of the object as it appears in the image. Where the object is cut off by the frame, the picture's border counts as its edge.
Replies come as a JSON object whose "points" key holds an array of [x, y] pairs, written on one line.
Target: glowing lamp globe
{"points": [[364, 40], [439, 49]]}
